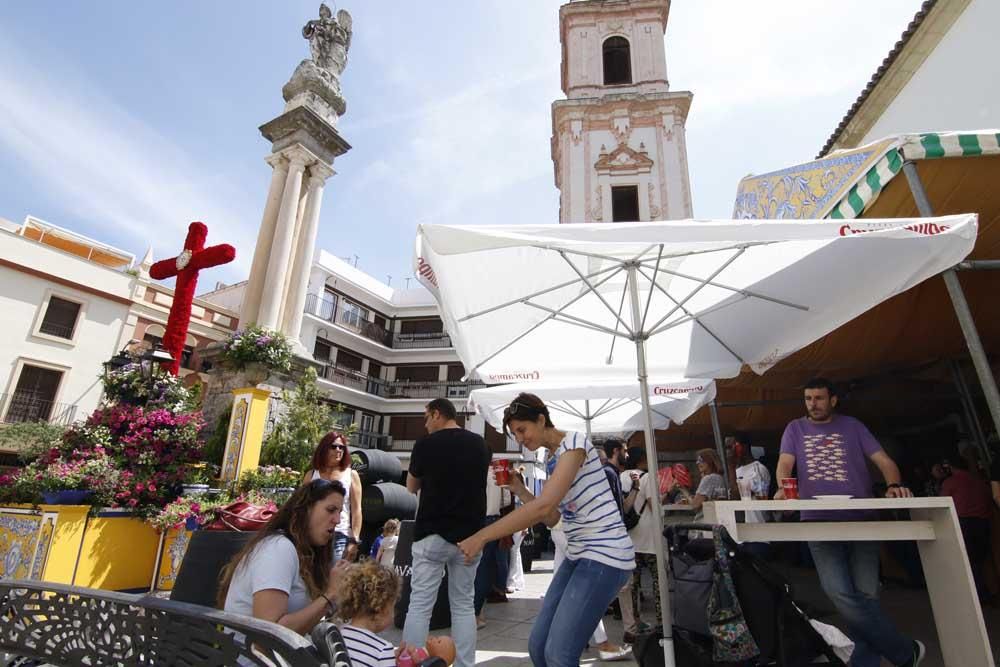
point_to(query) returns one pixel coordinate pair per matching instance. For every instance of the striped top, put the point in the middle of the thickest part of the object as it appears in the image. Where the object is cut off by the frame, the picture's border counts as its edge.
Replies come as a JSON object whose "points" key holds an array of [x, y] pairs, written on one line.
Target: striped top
{"points": [[590, 515], [367, 649]]}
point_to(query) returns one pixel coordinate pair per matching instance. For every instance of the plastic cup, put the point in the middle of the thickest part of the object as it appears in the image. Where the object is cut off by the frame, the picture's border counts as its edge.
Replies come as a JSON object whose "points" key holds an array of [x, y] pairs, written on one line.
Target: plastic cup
{"points": [[791, 488], [501, 472]]}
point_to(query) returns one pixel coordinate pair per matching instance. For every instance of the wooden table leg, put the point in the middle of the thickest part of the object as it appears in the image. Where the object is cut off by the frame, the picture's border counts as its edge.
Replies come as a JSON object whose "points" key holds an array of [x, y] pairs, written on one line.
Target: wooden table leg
{"points": [[952, 591]]}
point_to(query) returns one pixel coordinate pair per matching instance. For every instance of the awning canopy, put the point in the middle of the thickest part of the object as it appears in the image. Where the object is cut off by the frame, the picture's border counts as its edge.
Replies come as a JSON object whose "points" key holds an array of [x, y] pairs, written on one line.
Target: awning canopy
{"points": [[895, 345], [599, 407]]}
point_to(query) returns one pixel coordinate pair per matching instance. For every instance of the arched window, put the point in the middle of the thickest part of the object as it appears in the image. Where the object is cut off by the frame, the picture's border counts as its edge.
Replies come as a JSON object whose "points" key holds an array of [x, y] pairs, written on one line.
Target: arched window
{"points": [[617, 61]]}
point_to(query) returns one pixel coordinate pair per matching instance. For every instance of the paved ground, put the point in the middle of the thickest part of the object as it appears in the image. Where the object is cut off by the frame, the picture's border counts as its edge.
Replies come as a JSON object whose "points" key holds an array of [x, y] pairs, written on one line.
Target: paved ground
{"points": [[504, 640]]}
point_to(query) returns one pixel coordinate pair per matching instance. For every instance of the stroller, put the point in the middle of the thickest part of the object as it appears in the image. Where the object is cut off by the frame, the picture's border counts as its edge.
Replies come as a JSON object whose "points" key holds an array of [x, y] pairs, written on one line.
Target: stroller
{"points": [[782, 631]]}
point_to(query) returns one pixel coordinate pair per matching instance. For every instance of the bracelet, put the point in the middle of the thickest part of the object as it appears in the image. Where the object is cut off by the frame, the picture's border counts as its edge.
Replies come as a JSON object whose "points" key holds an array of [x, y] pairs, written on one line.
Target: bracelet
{"points": [[330, 606], [894, 486]]}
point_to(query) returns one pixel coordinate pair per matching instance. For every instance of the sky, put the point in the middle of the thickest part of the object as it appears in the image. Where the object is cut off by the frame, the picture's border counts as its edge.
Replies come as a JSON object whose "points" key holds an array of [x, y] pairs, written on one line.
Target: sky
{"points": [[125, 121]]}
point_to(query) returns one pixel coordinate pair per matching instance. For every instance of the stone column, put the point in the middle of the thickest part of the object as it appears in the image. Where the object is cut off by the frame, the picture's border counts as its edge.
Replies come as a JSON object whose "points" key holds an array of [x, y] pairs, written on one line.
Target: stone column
{"points": [[306, 247], [281, 246], [250, 310]]}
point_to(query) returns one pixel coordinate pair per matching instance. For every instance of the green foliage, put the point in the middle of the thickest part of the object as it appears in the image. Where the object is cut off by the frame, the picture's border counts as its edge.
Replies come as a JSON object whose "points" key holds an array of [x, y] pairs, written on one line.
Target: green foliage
{"points": [[30, 439], [256, 344], [308, 418], [215, 444]]}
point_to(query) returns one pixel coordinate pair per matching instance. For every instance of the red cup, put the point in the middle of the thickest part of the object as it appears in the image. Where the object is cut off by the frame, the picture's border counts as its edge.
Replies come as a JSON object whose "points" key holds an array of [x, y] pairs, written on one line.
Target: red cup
{"points": [[791, 487], [501, 471]]}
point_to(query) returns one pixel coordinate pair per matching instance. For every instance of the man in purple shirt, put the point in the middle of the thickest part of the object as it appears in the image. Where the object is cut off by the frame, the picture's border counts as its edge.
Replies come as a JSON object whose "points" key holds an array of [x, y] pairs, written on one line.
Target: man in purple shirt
{"points": [[830, 455]]}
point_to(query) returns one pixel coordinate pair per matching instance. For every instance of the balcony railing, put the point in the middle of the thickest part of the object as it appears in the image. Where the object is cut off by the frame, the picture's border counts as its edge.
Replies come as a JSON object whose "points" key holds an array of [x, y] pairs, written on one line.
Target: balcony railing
{"points": [[403, 445], [327, 309], [30, 407], [402, 389], [371, 440]]}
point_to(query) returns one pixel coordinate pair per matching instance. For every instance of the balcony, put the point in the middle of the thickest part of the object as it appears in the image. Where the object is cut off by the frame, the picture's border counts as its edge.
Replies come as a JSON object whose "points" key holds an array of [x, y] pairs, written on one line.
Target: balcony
{"points": [[29, 407], [396, 389], [370, 440], [327, 309]]}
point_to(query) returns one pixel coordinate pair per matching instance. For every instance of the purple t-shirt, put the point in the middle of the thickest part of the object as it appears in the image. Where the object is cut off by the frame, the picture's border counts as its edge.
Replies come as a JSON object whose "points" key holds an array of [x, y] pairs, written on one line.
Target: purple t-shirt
{"points": [[831, 459]]}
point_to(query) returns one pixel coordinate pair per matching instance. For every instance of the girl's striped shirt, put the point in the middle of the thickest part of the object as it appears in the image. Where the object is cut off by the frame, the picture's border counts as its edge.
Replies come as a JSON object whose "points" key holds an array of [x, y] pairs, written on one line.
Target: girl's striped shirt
{"points": [[590, 515]]}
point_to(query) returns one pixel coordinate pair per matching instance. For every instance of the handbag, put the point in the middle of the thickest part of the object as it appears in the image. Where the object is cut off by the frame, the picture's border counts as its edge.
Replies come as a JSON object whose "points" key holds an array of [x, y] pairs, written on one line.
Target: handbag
{"points": [[731, 638], [241, 516]]}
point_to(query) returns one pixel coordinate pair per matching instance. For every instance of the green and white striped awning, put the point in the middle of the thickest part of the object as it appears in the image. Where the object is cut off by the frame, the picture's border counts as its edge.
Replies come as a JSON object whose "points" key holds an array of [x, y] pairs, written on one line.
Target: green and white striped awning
{"points": [[927, 146], [845, 183]]}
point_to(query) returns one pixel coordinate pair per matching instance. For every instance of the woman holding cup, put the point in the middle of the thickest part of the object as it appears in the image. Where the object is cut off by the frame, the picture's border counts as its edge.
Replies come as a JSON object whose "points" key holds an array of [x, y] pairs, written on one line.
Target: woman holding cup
{"points": [[599, 553]]}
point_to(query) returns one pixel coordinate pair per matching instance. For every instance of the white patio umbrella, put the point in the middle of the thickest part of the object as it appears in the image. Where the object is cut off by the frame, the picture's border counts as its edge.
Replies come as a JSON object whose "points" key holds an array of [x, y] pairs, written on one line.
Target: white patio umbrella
{"points": [[548, 302], [599, 407]]}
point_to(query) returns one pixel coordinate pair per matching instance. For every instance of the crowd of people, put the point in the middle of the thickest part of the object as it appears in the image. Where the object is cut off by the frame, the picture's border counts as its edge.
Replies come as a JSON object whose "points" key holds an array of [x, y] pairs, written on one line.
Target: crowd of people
{"points": [[596, 502]]}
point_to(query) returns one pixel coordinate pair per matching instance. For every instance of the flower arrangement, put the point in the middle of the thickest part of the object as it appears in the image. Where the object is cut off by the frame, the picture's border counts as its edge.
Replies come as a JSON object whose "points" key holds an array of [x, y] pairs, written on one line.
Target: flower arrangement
{"points": [[268, 478], [199, 511], [80, 471], [127, 385], [256, 344]]}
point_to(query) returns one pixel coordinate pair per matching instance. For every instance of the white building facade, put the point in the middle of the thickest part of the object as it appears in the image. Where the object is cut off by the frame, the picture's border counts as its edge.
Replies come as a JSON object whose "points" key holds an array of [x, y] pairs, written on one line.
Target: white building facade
{"points": [[65, 301]]}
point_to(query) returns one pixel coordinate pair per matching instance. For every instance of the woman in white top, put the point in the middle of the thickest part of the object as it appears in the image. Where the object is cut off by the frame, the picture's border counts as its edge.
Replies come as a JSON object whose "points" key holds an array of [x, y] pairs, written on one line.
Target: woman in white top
{"points": [[332, 461], [599, 553], [283, 574]]}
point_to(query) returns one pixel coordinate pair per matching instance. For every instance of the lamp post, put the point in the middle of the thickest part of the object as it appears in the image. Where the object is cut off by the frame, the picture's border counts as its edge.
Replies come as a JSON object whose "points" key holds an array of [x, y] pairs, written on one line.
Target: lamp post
{"points": [[148, 361]]}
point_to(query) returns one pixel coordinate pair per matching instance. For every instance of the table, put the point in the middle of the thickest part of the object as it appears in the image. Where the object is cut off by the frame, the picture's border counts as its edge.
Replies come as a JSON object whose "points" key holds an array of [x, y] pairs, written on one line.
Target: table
{"points": [[933, 524]]}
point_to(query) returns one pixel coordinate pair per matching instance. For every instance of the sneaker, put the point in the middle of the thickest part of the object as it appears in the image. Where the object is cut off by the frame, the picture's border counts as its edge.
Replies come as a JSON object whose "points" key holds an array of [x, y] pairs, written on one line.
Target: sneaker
{"points": [[919, 652], [480, 622], [619, 653]]}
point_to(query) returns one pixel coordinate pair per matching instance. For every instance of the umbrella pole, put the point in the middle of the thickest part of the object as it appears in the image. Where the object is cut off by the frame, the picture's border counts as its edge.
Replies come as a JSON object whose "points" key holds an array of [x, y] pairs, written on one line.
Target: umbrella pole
{"points": [[961, 306], [586, 410], [719, 447], [651, 458]]}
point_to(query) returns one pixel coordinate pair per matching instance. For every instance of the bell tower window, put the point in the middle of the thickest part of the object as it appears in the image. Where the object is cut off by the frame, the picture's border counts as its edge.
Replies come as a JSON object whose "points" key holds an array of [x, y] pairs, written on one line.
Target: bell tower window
{"points": [[617, 61], [625, 203]]}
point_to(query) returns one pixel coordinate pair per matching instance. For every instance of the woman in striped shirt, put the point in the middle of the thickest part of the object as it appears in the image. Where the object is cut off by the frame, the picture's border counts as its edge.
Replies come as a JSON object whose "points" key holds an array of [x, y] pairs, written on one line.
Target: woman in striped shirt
{"points": [[599, 554]]}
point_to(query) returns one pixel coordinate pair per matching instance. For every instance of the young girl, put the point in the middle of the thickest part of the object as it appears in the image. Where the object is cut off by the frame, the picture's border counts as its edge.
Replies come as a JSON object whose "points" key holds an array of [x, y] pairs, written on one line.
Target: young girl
{"points": [[367, 599], [386, 554], [599, 553]]}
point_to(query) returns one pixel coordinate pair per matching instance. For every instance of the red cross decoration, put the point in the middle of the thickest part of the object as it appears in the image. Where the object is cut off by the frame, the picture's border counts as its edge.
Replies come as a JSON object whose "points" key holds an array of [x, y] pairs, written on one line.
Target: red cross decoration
{"points": [[186, 266]]}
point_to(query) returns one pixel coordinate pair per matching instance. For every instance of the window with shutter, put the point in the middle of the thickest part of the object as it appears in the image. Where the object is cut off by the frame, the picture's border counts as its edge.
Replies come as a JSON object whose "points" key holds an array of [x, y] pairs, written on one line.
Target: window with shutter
{"points": [[60, 318], [35, 394]]}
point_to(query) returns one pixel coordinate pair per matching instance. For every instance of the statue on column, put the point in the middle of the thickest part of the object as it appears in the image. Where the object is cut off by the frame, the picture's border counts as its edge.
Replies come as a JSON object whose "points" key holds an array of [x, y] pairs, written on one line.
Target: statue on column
{"points": [[316, 81]]}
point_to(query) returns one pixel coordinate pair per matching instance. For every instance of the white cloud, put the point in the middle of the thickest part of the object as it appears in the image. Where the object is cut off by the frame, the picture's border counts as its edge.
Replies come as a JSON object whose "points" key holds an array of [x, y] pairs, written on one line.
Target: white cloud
{"points": [[111, 168]]}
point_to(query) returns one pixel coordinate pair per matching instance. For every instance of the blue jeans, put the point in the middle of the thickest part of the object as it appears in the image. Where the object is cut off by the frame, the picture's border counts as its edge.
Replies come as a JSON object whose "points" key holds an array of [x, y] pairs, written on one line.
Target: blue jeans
{"points": [[578, 596], [431, 556], [848, 572], [493, 569], [339, 546]]}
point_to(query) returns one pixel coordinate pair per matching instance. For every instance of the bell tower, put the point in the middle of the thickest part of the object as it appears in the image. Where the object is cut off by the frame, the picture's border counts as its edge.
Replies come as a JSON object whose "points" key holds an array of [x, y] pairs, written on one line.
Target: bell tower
{"points": [[618, 144]]}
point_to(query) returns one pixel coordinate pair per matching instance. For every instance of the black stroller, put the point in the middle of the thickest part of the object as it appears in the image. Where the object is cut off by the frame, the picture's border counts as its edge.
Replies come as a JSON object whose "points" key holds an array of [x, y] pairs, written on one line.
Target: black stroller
{"points": [[778, 625]]}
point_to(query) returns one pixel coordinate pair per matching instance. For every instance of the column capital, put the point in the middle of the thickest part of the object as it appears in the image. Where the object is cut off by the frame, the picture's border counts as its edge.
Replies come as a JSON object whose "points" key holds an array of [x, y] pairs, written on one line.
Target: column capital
{"points": [[318, 173], [277, 161], [298, 156]]}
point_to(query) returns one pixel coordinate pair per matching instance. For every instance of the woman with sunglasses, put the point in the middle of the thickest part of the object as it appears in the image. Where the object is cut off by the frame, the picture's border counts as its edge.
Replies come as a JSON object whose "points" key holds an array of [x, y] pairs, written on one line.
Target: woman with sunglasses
{"points": [[283, 574], [332, 461], [599, 553]]}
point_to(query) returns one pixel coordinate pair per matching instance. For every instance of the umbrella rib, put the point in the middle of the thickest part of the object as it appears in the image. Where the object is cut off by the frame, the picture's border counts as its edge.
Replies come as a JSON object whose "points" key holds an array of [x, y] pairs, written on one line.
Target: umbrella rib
{"points": [[737, 290], [567, 408], [596, 293], [614, 339], [573, 319], [608, 258], [691, 317], [604, 409], [697, 289], [554, 288], [649, 297], [552, 316]]}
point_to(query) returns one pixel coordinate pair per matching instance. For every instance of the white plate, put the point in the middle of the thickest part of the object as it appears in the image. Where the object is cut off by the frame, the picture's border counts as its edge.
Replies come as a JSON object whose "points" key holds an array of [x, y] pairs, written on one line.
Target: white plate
{"points": [[832, 497]]}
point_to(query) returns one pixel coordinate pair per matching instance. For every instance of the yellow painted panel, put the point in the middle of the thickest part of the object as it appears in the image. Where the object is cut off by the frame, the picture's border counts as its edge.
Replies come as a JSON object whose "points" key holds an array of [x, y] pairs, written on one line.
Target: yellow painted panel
{"points": [[174, 547], [118, 553], [246, 431], [71, 523]]}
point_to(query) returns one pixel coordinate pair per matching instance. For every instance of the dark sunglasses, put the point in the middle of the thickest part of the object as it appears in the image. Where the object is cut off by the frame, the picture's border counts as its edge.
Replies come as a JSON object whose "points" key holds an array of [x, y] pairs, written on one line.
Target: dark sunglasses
{"points": [[344, 447], [514, 408]]}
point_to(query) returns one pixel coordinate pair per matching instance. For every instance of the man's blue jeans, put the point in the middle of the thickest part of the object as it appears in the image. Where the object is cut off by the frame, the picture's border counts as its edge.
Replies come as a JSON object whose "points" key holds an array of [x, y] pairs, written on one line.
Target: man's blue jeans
{"points": [[578, 596], [848, 572], [431, 556]]}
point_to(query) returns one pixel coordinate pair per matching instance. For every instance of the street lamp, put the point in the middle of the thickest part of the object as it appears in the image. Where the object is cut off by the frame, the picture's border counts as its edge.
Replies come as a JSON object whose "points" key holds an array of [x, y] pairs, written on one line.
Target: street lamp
{"points": [[152, 359], [121, 359]]}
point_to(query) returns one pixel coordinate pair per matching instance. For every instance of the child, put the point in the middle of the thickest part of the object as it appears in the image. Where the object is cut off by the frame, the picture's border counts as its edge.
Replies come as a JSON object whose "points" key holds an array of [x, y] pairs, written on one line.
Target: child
{"points": [[386, 554], [366, 600]]}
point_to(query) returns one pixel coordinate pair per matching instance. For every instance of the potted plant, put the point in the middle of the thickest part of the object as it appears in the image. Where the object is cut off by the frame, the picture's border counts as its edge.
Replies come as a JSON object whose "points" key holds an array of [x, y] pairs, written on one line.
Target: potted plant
{"points": [[257, 350], [276, 483], [89, 479], [198, 480]]}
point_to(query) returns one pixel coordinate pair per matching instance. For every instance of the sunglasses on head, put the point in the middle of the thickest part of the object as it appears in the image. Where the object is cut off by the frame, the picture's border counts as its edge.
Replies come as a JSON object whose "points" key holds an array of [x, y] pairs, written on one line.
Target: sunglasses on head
{"points": [[700, 460], [517, 407]]}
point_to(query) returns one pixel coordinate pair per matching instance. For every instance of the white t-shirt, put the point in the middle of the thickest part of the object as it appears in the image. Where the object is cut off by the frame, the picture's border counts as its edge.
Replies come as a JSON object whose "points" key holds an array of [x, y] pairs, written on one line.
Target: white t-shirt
{"points": [[644, 534], [344, 477], [273, 564], [366, 649], [757, 474], [388, 551], [590, 515]]}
